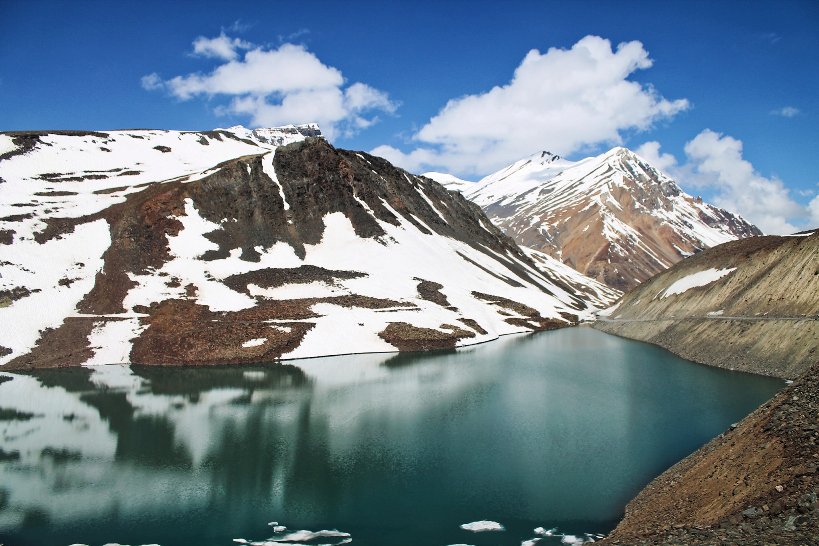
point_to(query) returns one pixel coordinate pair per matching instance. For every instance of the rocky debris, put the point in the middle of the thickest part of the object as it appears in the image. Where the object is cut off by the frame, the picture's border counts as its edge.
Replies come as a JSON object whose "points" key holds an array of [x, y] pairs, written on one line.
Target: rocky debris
{"points": [[60, 347], [271, 278], [184, 333], [431, 291], [754, 484], [14, 294], [25, 142], [407, 337], [472, 323], [529, 317], [181, 332]]}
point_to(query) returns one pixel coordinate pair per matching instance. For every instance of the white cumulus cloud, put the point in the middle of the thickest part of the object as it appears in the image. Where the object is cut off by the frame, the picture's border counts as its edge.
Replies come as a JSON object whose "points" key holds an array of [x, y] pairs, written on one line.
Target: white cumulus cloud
{"points": [[650, 151], [222, 47], [562, 100], [288, 84], [714, 161]]}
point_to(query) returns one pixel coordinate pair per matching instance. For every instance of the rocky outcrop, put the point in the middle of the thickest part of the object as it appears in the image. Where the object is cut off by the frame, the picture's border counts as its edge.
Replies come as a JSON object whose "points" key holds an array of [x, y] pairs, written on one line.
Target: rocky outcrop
{"points": [[758, 314], [239, 246], [612, 217]]}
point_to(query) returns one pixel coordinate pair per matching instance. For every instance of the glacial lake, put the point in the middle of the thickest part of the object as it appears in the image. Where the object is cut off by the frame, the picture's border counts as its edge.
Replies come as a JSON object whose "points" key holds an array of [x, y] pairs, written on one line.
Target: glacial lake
{"points": [[555, 430]]}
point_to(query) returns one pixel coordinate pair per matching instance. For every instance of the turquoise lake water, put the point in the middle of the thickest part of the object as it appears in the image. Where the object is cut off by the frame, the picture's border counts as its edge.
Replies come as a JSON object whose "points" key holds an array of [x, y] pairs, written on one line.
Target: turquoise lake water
{"points": [[555, 430]]}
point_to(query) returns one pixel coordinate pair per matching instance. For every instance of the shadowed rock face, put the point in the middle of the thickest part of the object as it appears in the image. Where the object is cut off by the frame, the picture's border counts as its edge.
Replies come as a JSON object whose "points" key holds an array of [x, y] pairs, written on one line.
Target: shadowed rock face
{"points": [[257, 218]]}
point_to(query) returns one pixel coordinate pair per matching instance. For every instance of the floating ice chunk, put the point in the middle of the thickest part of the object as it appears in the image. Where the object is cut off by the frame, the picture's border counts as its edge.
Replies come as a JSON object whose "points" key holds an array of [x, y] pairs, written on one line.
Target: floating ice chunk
{"points": [[574, 539], [546, 532], [304, 536], [483, 525]]}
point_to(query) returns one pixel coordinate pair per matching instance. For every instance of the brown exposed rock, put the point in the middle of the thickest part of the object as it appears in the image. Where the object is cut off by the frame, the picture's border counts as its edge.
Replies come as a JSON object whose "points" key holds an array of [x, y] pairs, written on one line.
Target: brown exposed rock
{"points": [[431, 291], [270, 278], [60, 347], [110, 190], [531, 318], [184, 333], [25, 142], [55, 193], [10, 295], [406, 337], [181, 332], [472, 323]]}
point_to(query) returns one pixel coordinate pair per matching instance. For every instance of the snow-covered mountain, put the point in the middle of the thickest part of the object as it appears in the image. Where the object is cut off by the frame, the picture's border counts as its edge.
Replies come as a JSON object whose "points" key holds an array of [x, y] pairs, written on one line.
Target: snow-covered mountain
{"points": [[613, 217], [449, 181], [237, 245]]}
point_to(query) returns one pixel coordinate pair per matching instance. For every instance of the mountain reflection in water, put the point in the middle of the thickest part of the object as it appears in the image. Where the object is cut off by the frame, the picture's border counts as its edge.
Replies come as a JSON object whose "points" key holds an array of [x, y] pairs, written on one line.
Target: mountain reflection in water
{"points": [[557, 429]]}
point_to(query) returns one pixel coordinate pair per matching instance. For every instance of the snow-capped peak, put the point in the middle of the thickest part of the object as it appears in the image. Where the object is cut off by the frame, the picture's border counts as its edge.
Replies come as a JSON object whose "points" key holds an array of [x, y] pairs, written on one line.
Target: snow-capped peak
{"points": [[275, 136], [641, 219]]}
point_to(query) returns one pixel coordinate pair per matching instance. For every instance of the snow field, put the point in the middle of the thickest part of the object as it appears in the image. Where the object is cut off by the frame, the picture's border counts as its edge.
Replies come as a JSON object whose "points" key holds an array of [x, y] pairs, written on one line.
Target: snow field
{"points": [[695, 280]]}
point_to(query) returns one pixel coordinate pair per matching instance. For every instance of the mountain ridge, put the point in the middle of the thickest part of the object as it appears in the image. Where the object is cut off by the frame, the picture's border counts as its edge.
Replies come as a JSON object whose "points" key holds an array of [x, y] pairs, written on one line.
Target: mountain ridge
{"points": [[173, 248], [613, 217], [757, 296]]}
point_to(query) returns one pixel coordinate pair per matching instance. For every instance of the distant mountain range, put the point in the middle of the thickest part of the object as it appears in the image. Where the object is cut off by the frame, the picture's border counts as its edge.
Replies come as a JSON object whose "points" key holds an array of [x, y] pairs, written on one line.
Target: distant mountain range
{"points": [[237, 245], [613, 217]]}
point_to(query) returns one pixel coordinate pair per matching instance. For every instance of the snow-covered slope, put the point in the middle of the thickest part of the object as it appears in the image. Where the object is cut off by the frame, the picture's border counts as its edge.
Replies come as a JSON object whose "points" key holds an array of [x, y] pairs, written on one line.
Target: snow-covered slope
{"points": [[450, 181], [612, 217], [167, 247]]}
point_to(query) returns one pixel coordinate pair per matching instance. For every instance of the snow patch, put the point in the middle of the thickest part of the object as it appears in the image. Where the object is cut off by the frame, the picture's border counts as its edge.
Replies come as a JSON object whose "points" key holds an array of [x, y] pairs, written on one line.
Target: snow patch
{"points": [[111, 340], [270, 170], [7, 144], [58, 273], [255, 342], [695, 280]]}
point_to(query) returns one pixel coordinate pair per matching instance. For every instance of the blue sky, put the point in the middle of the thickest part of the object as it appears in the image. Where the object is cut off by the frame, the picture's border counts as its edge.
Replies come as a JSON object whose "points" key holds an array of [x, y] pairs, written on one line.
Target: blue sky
{"points": [[722, 95]]}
